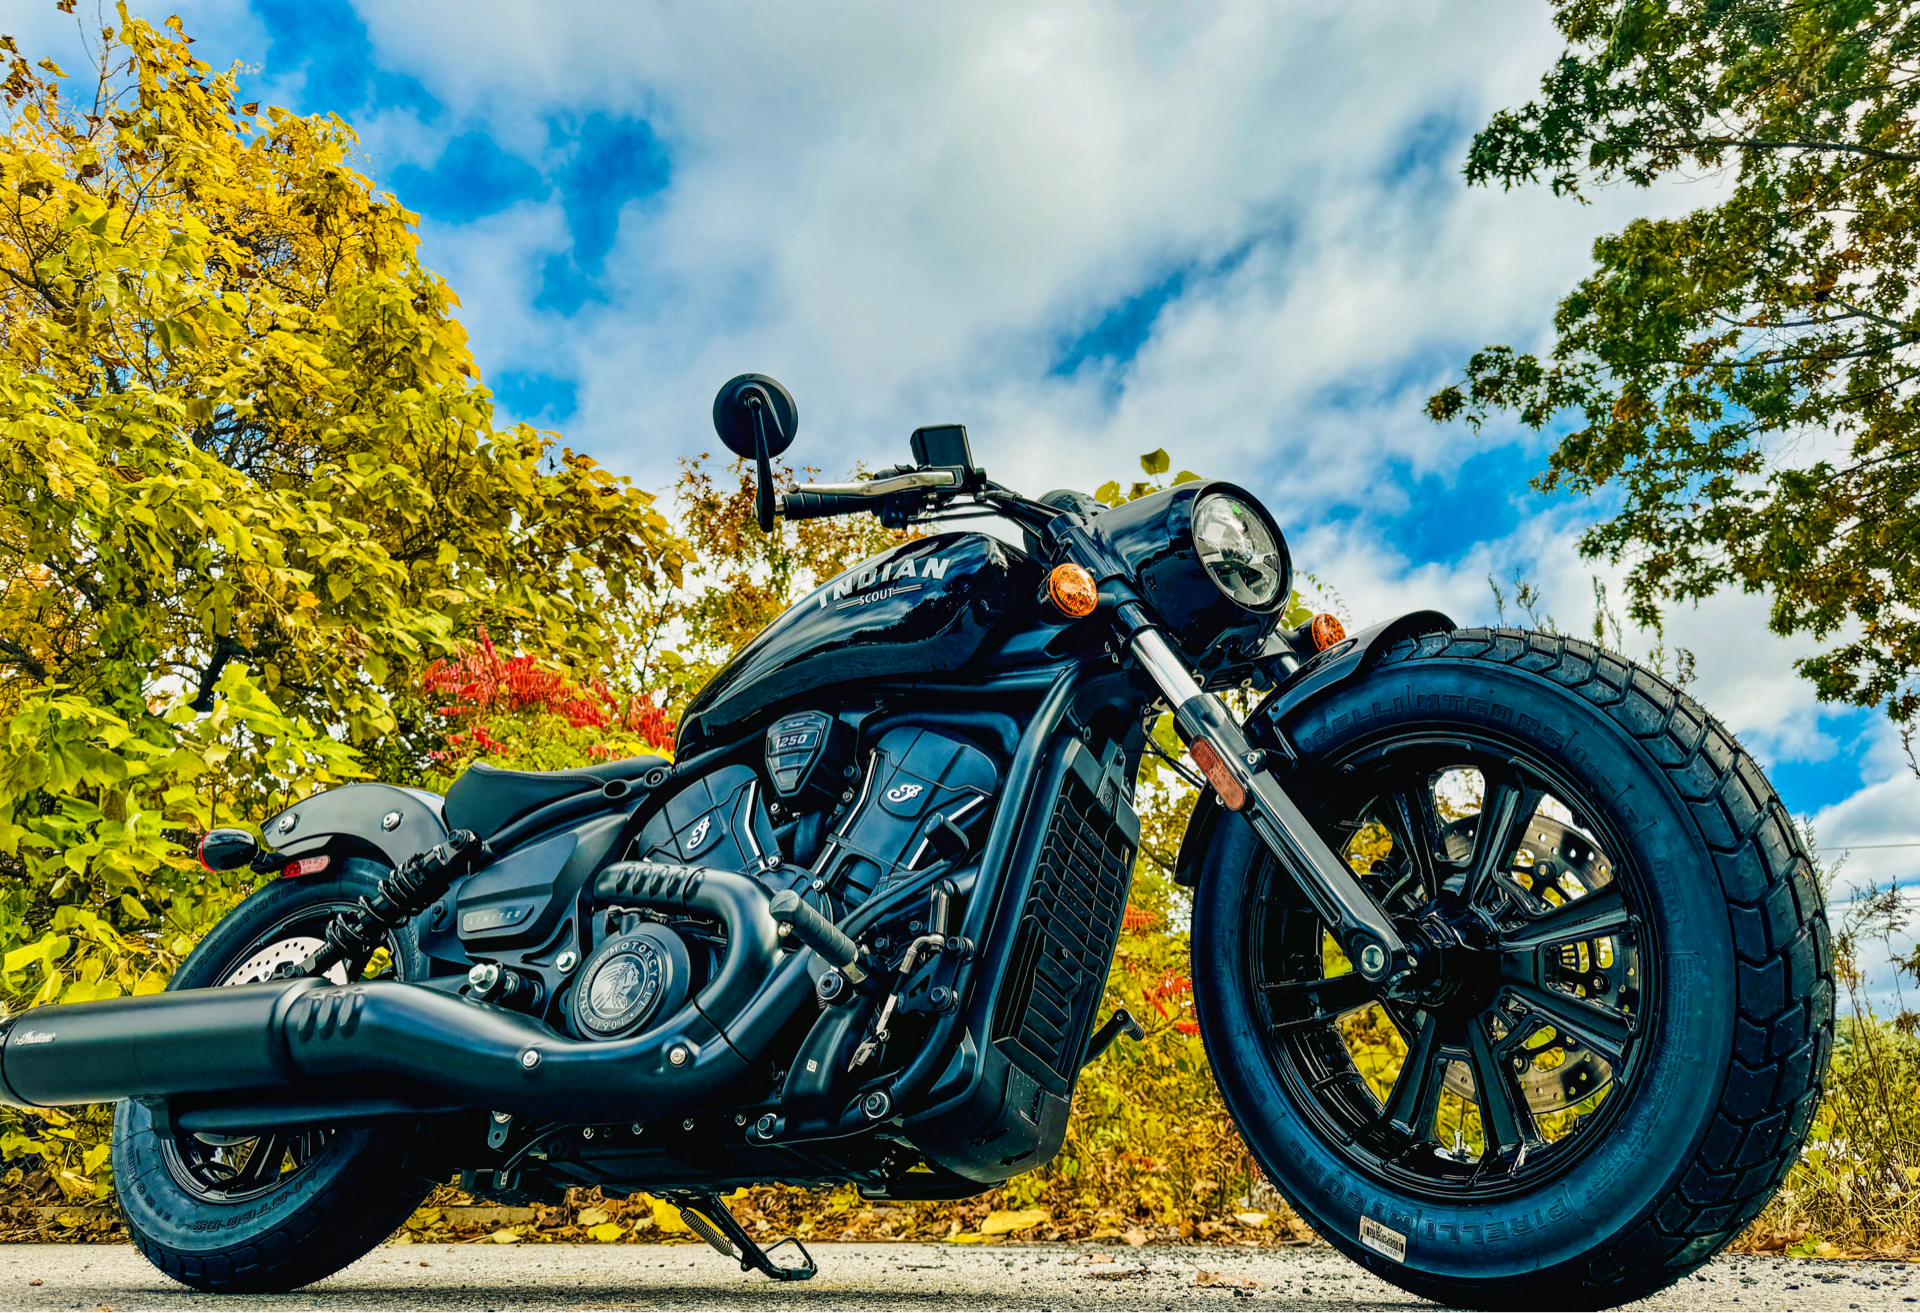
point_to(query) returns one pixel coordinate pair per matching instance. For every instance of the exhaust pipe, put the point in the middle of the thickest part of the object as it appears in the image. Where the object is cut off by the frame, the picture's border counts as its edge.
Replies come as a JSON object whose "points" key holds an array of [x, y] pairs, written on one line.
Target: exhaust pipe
{"points": [[306, 1035]]}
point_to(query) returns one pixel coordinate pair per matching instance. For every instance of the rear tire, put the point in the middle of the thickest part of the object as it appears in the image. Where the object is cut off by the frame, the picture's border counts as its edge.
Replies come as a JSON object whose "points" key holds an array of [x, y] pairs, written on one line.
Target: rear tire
{"points": [[1714, 1086], [283, 1228]]}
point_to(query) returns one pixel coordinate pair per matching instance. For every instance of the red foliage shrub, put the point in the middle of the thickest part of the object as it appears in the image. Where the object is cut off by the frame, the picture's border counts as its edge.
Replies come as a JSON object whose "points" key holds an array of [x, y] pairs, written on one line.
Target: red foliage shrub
{"points": [[480, 680]]}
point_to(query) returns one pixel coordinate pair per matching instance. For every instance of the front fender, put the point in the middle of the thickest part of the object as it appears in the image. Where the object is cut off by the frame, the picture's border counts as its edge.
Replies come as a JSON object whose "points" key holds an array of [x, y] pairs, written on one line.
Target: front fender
{"points": [[363, 813], [1327, 671]]}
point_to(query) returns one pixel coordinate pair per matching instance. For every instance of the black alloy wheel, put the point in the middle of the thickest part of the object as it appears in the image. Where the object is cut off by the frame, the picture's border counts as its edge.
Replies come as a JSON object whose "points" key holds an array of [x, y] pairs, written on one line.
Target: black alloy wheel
{"points": [[232, 1169], [1538, 968], [276, 1210], [1625, 1002]]}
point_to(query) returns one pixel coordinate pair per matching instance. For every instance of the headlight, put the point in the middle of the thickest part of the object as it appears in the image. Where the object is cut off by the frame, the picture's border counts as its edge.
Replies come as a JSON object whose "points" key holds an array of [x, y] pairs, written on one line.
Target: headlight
{"points": [[1211, 562], [1239, 551]]}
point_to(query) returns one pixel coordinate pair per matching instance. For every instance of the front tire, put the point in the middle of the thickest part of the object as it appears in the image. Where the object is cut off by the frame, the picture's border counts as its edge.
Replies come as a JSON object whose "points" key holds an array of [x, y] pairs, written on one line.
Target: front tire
{"points": [[238, 1215], [1630, 1077]]}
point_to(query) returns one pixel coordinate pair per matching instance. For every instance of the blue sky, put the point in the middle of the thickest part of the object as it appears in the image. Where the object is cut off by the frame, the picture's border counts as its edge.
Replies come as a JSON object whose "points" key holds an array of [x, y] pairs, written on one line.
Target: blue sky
{"points": [[1236, 232]]}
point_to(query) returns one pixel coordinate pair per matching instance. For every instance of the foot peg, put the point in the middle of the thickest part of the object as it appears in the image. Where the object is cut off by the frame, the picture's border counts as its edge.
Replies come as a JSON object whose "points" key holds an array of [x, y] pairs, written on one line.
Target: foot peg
{"points": [[1120, 1023], [709, 1219]]}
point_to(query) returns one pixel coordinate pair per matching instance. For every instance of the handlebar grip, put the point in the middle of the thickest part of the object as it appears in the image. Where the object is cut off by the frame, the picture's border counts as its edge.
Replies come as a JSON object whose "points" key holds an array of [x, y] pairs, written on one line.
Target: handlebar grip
{"points": [[814, 930], [802, 505]]}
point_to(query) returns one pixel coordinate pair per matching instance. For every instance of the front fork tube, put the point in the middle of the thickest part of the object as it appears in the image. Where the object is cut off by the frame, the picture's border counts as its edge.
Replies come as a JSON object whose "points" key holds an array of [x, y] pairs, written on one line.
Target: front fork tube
{"points": [[1367, 936]]}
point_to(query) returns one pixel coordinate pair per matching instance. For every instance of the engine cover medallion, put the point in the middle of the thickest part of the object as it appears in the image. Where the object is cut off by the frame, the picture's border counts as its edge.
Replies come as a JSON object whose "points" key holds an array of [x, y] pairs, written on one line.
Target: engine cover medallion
{"points": [[629, 980]]}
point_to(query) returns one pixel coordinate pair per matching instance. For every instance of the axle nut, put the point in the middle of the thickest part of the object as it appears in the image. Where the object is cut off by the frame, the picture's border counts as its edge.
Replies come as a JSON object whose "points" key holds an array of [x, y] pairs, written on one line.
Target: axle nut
{"points": [[876, 1105], [1373, 961]]}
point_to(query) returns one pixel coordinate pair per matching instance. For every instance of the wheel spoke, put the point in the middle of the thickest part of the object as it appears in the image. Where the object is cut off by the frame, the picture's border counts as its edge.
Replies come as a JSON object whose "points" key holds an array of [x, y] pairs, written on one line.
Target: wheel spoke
{"points": [[1413, 1107], [1598, 915], [1505, 1119], [305, 1145], [263, 1164], [1597, 1027], [1414, 822], [1330, 996], [1506, 809]]}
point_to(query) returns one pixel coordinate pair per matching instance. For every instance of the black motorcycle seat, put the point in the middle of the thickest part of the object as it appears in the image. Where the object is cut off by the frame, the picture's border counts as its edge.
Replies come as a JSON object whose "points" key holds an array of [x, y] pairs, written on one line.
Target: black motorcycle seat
{"points": [[486, 799]]}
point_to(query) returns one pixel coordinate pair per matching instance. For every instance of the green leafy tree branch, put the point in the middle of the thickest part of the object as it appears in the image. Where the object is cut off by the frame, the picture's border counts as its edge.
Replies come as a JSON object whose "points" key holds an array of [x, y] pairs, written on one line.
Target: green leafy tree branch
{"points": [[1741, 378]]}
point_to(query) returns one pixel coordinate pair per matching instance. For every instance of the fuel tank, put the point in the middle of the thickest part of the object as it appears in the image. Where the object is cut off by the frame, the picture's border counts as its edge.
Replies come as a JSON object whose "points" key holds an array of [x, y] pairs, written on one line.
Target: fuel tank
{"points": [[923, 608]]}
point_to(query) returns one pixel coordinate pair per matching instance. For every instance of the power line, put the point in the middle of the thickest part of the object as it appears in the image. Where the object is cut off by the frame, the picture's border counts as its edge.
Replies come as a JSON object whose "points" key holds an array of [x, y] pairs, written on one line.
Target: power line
{"points": [[1860, 847]]}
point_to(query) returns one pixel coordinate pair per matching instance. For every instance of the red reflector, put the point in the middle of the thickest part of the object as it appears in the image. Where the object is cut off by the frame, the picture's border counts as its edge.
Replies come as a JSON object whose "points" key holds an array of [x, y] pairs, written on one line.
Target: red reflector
{"points": [[1229, 789], [305, 866]]}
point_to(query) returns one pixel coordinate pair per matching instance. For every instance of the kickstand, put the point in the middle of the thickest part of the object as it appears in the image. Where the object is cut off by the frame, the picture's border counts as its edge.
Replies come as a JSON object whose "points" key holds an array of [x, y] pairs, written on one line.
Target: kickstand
{"points": [[709, 1219]]}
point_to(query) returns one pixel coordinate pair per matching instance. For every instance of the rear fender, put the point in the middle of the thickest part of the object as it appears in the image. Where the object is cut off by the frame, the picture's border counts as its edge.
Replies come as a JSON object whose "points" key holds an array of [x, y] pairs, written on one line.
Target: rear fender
{"points": [[1339, 665], [395, 822]]}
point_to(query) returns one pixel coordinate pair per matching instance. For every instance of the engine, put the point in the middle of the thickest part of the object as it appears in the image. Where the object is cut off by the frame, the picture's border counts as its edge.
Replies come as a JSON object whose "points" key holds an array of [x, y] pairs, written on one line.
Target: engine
{"points": [[917, 799], [835, 815]]}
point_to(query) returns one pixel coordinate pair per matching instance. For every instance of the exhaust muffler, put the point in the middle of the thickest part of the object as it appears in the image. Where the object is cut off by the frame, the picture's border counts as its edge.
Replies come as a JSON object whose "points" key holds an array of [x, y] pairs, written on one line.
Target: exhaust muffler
{"points": [[307, 1035]]}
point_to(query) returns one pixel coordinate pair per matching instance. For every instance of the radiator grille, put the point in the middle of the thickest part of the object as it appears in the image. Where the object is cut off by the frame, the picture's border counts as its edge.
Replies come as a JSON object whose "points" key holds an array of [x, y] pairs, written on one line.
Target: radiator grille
{"points": [[1066, 937]]}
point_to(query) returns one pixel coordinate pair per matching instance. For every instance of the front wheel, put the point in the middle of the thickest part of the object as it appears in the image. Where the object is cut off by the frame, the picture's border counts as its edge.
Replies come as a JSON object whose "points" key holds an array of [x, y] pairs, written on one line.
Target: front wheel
{"points": [[240, 1214], [1619, 1046]]}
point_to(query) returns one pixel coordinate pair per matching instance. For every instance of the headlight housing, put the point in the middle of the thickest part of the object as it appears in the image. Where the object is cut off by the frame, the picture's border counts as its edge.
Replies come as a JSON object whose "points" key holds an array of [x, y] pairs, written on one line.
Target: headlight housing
{"points": [[1210, 560]]}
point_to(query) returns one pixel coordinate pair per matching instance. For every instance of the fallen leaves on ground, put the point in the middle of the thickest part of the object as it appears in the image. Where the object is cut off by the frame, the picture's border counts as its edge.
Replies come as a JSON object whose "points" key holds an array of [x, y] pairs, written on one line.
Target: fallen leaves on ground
{"points": [[1222, 1281], [1008, 1221], [33, 1210]]}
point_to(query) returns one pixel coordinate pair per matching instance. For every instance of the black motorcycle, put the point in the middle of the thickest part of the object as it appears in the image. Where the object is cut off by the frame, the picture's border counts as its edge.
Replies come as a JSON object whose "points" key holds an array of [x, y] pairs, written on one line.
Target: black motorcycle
{"points": [[857, 930]]}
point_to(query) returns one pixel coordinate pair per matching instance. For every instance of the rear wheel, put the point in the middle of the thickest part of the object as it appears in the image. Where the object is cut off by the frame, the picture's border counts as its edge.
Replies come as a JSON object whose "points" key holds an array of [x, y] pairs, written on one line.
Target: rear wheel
{"points": [[1620, 1051], [275, 1211]]}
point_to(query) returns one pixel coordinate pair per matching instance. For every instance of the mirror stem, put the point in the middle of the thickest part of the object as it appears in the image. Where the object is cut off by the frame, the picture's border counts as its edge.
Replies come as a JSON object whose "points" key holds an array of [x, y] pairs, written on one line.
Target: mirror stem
{"points": [[763, 497]]}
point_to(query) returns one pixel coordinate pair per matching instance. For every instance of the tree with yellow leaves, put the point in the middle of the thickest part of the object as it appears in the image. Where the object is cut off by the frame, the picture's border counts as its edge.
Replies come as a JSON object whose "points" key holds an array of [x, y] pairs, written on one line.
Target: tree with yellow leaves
{"points": [[251, 487]]}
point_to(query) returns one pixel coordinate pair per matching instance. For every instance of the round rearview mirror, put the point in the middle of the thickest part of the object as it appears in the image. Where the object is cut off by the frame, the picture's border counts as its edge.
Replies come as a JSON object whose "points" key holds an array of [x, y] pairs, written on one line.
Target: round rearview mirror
{"points": [[733, 415]]}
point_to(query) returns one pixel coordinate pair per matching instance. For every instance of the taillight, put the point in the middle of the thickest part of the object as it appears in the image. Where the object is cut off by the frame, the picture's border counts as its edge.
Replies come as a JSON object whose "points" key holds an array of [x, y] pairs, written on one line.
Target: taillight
{"points": [[305, 866]]}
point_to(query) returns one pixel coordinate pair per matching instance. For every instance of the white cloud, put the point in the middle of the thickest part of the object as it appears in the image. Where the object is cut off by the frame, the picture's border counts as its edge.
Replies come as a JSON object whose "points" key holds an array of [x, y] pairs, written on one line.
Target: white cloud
{"points": [[902, 211]]}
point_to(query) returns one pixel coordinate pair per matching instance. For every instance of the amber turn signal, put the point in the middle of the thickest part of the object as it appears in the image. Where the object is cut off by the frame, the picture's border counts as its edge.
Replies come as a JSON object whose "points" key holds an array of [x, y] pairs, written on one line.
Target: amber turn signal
{"points": [[1325, 631], [1072, 590]]}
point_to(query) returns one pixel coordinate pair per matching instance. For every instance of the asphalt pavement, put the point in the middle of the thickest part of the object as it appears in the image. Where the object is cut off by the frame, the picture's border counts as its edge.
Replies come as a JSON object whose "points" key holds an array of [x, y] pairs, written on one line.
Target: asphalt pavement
{"points": [[874, 1276]]}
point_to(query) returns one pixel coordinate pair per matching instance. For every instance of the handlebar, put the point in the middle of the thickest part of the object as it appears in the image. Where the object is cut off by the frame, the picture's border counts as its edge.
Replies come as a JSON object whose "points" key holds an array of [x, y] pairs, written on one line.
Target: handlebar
{"points": [[818, 499], [805, 504]]}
